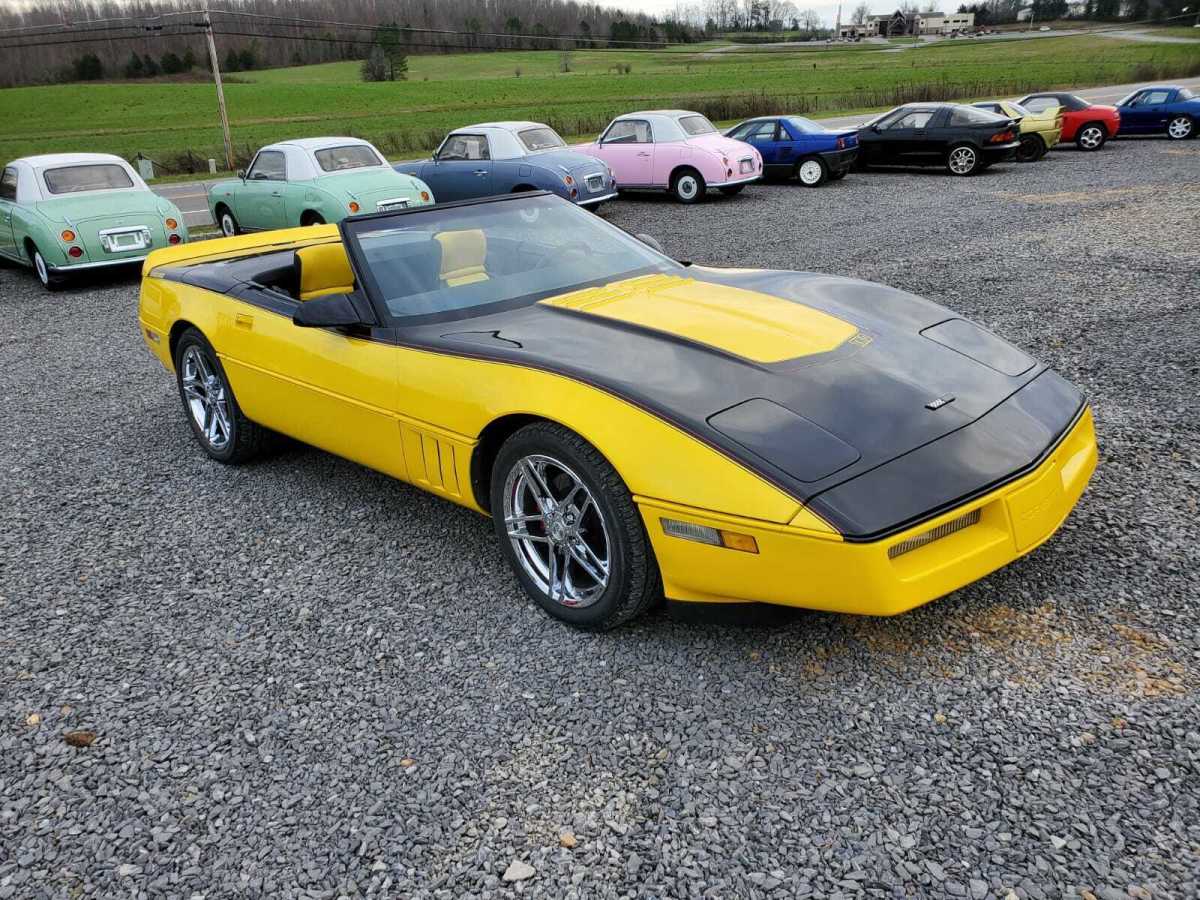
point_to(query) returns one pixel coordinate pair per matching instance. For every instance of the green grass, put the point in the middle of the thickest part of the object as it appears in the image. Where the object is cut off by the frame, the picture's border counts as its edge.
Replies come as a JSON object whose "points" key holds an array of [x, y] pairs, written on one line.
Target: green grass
{"points": [[1179, 31], [162, 120]]}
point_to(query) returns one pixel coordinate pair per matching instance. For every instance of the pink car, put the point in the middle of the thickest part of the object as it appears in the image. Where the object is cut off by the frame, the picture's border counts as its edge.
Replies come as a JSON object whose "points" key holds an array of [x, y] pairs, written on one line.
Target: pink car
{"points": [[676, 150]]}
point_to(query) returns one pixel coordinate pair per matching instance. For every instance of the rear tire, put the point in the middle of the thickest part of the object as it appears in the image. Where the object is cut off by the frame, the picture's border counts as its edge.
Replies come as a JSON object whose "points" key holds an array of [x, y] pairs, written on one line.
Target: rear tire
{"points": [[212, 410], [1091, 137], [51, 280], [687, 186], [963, 159], [569, 528], [1180, 128], [227, 223], [811, 171], [1032, 148]]}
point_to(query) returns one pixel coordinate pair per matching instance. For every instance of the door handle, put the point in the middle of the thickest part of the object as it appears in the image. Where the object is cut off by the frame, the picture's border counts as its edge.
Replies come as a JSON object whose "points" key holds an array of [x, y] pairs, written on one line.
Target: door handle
{"points": [[241, 320], [276, 194], [481, 172], [643, 154]]}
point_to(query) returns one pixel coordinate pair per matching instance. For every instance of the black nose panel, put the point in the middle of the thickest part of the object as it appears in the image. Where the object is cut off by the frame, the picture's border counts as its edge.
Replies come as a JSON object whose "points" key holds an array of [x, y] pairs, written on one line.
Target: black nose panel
{"points": [[788, 441]]}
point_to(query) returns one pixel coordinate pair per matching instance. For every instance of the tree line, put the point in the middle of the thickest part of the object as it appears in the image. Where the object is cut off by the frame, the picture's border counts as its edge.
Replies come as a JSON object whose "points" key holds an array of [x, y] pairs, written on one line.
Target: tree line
{"points": [[77, 45]]}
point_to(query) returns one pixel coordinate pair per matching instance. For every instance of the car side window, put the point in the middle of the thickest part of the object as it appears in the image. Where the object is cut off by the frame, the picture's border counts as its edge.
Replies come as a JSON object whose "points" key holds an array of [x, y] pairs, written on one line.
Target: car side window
{"points": [[1152, 98], [1040, 104], [269, 165], [765, 131], [991, 107], [628, 131], [472, 147], [918, 118], [8, 185]]}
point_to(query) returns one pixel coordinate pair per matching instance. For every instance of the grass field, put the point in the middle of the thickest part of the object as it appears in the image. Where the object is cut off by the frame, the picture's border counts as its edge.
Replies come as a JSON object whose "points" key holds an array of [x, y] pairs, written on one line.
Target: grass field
{"points": [[163, 120]]}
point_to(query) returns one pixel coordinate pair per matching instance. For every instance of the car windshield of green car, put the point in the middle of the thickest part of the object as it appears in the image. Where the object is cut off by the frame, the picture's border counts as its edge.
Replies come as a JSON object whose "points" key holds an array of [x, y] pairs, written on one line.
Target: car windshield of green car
{"points": [[695, 125], [536, 139], [339, 159], [72, 179], [801, 125], [439, 264]]}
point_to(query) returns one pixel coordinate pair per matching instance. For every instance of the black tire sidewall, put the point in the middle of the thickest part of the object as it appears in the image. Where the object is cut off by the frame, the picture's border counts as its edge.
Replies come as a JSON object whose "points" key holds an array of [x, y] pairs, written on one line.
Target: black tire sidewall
{"points": [[1037, 143], [701, 187], [623, 545], [824, 171], [193, 338], [975, 168]]}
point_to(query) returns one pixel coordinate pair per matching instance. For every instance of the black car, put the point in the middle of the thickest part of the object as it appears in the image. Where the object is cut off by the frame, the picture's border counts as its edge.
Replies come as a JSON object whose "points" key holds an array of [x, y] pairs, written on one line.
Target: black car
{"points": [[961, 138]]}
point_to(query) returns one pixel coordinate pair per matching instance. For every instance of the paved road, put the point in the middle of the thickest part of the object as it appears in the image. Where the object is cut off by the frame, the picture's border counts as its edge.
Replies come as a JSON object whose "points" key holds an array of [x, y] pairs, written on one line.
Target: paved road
{"points": [[191, 197]]}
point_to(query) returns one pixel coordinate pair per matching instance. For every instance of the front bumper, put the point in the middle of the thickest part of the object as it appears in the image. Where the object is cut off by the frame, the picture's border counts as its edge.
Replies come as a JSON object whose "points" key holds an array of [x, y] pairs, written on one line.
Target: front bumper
{"points": [[840, 160], [818, 570]]}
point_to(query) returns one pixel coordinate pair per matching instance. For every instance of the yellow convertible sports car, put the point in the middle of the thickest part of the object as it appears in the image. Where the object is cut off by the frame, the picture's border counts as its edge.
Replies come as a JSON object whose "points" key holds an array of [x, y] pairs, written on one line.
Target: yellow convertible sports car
{"points": [[1039, 130], [634, 426]]}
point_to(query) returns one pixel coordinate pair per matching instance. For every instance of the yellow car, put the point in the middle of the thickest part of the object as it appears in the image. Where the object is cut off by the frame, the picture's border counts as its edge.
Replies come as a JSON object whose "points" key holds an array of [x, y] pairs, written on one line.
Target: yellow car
{"points": [[633, 425], [1039, 130]]}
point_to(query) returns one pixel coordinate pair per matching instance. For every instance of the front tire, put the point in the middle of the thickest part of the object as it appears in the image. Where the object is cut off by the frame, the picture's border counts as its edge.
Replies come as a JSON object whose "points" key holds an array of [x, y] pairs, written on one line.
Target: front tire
{"points": [[1032, 148], [210, 406], [963, 159], [811, 172], [570, 530], [1091, 137], [51, 280], [227, 223], [1181, 128], [687, 186]]}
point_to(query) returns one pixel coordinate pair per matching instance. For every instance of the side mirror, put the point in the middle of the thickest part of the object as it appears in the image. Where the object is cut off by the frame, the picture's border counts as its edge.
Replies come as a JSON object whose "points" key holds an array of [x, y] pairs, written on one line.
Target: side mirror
{"points": [[875, 128], [331, 311], [241, 173], [651, 242]]}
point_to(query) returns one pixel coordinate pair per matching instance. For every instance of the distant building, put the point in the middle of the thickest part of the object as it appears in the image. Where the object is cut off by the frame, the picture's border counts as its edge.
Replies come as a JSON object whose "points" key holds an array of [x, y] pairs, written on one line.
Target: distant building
{"points": [[945, 24], [898, 23]]}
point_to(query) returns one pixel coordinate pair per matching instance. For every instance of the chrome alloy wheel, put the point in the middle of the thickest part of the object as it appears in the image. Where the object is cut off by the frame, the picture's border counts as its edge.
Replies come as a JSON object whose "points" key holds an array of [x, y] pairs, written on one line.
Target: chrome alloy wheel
{"points": [[228, 226], [1180, 128], [1091, 137], [810, 172], [557, 531], [962, 160], [688, 187], [205, 395], [39, 266]]}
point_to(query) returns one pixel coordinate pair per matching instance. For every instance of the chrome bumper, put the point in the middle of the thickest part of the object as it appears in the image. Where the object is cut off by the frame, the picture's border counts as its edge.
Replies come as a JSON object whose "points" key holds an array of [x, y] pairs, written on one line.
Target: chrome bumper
{"points": [[590, 200], [732, 182], [104, 263]]}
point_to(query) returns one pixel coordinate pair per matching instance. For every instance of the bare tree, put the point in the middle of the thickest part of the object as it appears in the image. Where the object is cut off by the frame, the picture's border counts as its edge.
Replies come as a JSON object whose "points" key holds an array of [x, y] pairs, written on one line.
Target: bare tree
{"points": [[861, 13]]}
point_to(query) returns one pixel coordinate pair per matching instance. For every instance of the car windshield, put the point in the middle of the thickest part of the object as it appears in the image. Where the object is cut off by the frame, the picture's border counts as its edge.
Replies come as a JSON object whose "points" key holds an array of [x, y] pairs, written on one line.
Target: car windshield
{"points": [[339, 159], [440, 264], [697, 124], [801, 125], [102, 177], [536, 139], [1124, 101]]}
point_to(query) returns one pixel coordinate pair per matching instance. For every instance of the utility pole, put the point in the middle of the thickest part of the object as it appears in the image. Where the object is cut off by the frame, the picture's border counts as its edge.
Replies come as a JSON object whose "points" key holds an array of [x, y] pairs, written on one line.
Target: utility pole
{"points": [[216, 71]]}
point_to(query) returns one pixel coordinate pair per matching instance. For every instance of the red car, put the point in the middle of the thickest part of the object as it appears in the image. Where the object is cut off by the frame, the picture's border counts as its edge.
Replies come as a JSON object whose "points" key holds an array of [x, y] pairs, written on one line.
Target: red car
{"points": [[1088, 125]]}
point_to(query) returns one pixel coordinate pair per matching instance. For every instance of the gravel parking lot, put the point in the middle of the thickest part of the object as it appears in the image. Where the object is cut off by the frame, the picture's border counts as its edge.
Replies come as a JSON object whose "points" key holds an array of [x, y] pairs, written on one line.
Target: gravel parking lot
{"points": [[308, 680]]}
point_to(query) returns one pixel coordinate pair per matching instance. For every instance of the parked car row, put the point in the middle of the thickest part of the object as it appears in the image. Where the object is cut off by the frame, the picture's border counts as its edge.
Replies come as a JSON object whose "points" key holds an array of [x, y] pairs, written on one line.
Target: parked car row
{"points": [[65, 212]]}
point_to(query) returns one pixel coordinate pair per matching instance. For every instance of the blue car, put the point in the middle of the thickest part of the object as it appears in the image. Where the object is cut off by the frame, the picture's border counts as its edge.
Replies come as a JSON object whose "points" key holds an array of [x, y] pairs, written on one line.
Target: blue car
{"points": [[509, 157], [1163, 109], [793, 146]]}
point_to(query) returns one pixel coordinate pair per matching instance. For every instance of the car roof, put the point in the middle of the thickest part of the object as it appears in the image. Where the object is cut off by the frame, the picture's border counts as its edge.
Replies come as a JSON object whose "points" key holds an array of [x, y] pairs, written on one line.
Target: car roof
{"points": [[672, 113], [318, 143], [503, 126], [69, 159]]}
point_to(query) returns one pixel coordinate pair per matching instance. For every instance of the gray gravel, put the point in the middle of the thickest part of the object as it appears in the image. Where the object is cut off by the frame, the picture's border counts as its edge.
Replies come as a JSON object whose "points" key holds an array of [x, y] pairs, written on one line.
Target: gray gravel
{"points": [[307, 680]]}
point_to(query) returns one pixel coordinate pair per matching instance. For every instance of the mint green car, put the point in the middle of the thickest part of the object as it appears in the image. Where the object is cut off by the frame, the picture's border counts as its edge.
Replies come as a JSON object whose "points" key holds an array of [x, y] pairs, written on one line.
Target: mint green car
{"points": [[312, 181], [65, 212]]}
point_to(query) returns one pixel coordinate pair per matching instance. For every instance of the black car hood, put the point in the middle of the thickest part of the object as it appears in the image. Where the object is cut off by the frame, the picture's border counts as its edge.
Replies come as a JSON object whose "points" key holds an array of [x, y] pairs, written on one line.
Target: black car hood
{"points": [[912, 374]]}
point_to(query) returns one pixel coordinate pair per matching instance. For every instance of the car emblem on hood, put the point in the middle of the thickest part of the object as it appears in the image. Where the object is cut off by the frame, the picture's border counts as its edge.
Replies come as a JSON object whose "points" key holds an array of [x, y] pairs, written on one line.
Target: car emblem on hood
{"points": [[940, 402]]}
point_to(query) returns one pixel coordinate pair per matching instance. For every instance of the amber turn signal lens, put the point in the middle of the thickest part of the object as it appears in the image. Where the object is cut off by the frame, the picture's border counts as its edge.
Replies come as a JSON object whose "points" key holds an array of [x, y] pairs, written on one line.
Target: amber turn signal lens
{"points": [[74, 253], [733, 541], [425, 196], [68, 235], [173, 239], [172, 224], [354, 207]]}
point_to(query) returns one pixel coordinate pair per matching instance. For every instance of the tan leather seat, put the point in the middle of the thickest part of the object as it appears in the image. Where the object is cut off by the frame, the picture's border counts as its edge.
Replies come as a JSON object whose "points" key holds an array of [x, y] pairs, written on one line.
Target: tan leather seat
{"points": [[323, 269], [463, 256]]}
